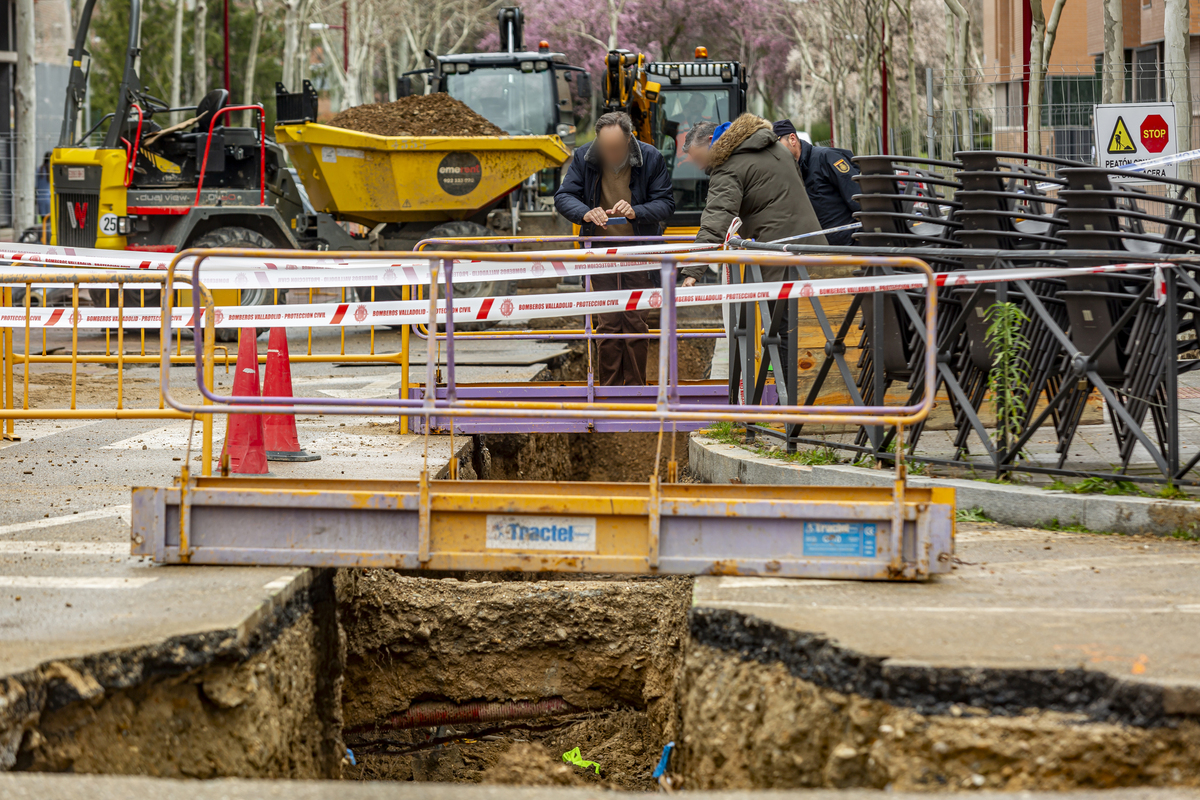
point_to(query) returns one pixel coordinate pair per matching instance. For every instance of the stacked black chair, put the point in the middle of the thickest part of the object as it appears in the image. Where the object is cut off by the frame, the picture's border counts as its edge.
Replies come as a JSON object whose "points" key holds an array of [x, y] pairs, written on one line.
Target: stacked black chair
{"points": [[1115, 318], [1005, 205], [905, 202]]}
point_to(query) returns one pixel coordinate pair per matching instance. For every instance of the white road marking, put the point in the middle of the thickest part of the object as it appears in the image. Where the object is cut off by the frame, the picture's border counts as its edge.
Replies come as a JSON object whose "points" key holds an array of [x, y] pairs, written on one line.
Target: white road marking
{"points": [[53, 582], [373, 386], [750, 582], [65, 548], [30, 430], [172, 437], [122, 511], [965, 610], [279, 583]]}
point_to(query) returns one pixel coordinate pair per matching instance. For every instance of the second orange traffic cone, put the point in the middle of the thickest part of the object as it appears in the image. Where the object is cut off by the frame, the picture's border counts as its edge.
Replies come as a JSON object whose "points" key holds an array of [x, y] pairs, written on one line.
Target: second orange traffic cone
{"points": [[283, 442], [245, 442]]}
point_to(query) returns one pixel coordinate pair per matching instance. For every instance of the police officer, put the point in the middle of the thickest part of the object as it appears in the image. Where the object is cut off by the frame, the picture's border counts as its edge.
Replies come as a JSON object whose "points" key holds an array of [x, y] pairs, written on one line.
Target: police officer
{"points": [[827, 174]]}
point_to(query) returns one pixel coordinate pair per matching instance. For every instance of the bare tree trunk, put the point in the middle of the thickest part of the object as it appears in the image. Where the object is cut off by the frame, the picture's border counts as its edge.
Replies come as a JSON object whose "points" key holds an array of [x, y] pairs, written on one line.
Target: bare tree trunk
{"points": [[390, 65], [914, 104], [200, 51], [295, 42], [1113, 86], [177, 62], [1040, 47], [252, 57], [1177, 64], [1037, 60], [948, 108], [25, 102]]}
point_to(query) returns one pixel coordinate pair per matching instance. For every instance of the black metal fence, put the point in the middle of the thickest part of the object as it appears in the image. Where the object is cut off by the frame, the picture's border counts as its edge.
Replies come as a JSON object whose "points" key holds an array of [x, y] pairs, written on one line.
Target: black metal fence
{"points": [[1125, 334]]}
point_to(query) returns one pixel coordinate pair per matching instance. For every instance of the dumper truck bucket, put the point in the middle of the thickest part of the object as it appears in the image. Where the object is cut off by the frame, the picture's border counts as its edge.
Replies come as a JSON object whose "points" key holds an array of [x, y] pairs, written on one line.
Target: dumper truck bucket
{"points": [[370, 179]]}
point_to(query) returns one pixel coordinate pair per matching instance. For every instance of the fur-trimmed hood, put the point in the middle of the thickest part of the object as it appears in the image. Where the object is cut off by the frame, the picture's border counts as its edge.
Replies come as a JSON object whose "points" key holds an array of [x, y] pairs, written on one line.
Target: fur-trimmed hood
{"points": [[747, 130], [635, 153]]}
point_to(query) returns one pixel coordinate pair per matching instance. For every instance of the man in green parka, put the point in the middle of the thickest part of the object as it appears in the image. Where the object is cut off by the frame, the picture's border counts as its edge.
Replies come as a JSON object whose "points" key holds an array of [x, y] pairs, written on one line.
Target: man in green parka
{"points": [[754, 177]]}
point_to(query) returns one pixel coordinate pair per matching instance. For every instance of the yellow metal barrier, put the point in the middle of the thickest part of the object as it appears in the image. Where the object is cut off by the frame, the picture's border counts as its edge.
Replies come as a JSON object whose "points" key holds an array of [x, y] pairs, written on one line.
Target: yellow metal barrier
{"points": [[10, 412]]}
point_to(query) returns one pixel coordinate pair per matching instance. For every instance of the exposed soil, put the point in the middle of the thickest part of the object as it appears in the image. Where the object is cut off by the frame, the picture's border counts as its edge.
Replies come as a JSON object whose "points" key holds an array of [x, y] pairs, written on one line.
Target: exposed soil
{"points": [[416, 115], [621, 457], [694, 362], [751, 725], [264, 713], [610, 648]]}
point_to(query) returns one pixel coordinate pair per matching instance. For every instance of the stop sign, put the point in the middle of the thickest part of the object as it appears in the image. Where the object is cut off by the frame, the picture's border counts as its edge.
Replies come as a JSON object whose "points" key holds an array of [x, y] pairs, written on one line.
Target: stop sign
{"points": [[1155, 135]]}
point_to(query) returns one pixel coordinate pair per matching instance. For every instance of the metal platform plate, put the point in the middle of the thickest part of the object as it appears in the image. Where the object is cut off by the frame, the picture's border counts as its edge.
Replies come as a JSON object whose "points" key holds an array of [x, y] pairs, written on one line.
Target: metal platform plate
{"points": [[816, 532], [690, 393]]}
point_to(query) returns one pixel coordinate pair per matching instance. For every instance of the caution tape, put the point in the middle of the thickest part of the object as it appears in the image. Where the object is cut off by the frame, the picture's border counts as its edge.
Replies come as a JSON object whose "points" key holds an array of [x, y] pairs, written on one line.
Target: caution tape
{"points": [[397, 274], [531, 306], [412, 266]]}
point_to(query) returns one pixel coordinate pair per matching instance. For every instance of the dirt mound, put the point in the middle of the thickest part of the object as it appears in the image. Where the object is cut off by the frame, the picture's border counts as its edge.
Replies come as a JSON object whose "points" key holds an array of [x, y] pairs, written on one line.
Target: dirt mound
{"points": [[417, 115], [530, 764]]}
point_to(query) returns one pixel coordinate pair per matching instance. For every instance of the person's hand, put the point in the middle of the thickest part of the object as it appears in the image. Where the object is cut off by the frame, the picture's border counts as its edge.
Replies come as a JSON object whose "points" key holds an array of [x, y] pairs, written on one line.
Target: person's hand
{"points": [[597, 216], [622, 209], [689, 281]]}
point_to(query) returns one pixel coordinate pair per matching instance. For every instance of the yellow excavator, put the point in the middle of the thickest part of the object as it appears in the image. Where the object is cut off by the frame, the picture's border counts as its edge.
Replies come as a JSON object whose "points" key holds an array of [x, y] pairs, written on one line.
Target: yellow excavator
{"points": [[665, 99]]}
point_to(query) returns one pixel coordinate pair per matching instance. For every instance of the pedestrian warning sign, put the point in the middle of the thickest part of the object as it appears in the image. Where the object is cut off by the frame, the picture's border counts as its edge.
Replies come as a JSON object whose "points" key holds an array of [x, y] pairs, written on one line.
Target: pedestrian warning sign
{"points": [[1129, 134], [1121, 141]]}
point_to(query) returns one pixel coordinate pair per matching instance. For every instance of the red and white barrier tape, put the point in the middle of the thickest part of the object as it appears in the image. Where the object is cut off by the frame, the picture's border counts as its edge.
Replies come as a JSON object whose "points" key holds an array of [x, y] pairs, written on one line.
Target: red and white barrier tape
{"points": [[526, 307], [29, 256], [355, 275]]}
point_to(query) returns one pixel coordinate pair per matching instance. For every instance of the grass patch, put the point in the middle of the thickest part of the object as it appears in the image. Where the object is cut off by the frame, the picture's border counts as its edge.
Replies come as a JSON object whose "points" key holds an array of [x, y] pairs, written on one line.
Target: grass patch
{"points": [[726, 433], [1098, 485], [1173, 493], [815, 457], [972, 515], [1075, 527]]}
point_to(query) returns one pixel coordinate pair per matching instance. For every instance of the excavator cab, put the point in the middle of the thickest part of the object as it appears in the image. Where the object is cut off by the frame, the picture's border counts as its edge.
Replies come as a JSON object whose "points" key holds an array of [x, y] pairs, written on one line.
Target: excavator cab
{"points": [[525, 92], [692, 92]]}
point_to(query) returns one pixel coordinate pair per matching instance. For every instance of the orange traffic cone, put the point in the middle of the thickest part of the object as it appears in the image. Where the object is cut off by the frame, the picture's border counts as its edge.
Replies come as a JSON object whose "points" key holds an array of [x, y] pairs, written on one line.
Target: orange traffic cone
{"points": [[283, 443], [245, 443]]}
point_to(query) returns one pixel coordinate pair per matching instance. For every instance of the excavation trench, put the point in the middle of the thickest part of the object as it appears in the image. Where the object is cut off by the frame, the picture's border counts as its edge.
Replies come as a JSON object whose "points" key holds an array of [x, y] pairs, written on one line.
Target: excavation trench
{"points": [[483, 677]]}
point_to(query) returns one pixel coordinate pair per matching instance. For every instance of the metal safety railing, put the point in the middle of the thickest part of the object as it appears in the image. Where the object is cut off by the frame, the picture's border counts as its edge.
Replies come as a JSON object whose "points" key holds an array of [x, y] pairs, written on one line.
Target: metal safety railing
{"points": [[899, 533], [14, 320], [666, 406], [587, 333]]}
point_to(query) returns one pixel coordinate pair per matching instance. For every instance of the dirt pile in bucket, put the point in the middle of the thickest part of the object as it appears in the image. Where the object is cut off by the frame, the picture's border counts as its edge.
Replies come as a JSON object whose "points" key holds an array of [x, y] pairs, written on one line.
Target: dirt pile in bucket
{"points": [[417, 115]]}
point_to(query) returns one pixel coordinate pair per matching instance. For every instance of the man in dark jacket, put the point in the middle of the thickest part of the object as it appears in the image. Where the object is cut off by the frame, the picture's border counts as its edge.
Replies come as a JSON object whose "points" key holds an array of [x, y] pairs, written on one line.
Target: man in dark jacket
{"points": [[753, 176], [828, 175], [618, 176]]}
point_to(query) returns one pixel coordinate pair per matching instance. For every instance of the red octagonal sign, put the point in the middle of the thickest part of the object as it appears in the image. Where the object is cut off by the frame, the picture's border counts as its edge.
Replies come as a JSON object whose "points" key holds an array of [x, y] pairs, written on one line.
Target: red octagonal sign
{"points": [[1155, 135]]}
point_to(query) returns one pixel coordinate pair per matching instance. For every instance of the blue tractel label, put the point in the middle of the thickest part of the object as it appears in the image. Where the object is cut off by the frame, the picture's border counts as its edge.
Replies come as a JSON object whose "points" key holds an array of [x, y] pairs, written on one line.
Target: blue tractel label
{"points": [[844, 539]]}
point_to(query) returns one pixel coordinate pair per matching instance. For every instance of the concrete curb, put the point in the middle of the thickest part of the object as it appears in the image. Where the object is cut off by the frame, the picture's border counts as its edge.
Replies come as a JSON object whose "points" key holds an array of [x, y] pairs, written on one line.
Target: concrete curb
{"points": [[713, 462]]}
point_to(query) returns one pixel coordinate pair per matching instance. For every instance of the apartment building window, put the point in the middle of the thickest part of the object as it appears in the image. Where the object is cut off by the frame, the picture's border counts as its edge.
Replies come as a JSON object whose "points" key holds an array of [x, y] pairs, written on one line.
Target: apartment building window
{"points": [[1146, 78], [1069, 100]]}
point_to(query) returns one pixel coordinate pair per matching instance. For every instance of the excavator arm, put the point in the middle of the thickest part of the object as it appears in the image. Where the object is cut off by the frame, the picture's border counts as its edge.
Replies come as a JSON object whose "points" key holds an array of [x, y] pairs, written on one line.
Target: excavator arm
{"points": [[627, 88]]}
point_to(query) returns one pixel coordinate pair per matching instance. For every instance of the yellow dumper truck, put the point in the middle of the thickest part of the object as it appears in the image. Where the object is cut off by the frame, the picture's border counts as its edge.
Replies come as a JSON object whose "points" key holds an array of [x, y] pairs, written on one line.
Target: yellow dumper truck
{"points": [[138, 181]]}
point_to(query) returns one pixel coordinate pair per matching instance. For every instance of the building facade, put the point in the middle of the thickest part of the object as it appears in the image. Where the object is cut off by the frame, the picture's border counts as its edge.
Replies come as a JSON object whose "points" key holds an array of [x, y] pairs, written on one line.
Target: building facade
{"points": [[1073, 75]]}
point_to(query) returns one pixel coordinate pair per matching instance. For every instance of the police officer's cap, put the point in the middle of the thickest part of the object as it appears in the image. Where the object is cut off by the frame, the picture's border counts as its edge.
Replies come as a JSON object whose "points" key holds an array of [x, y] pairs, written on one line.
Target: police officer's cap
{"points": [[783, 128]]}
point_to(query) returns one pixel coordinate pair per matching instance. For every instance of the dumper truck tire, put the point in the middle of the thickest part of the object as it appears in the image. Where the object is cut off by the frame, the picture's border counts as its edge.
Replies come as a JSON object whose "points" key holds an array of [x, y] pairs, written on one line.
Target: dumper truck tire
{"points": [[234, 236], [457, 229]]}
